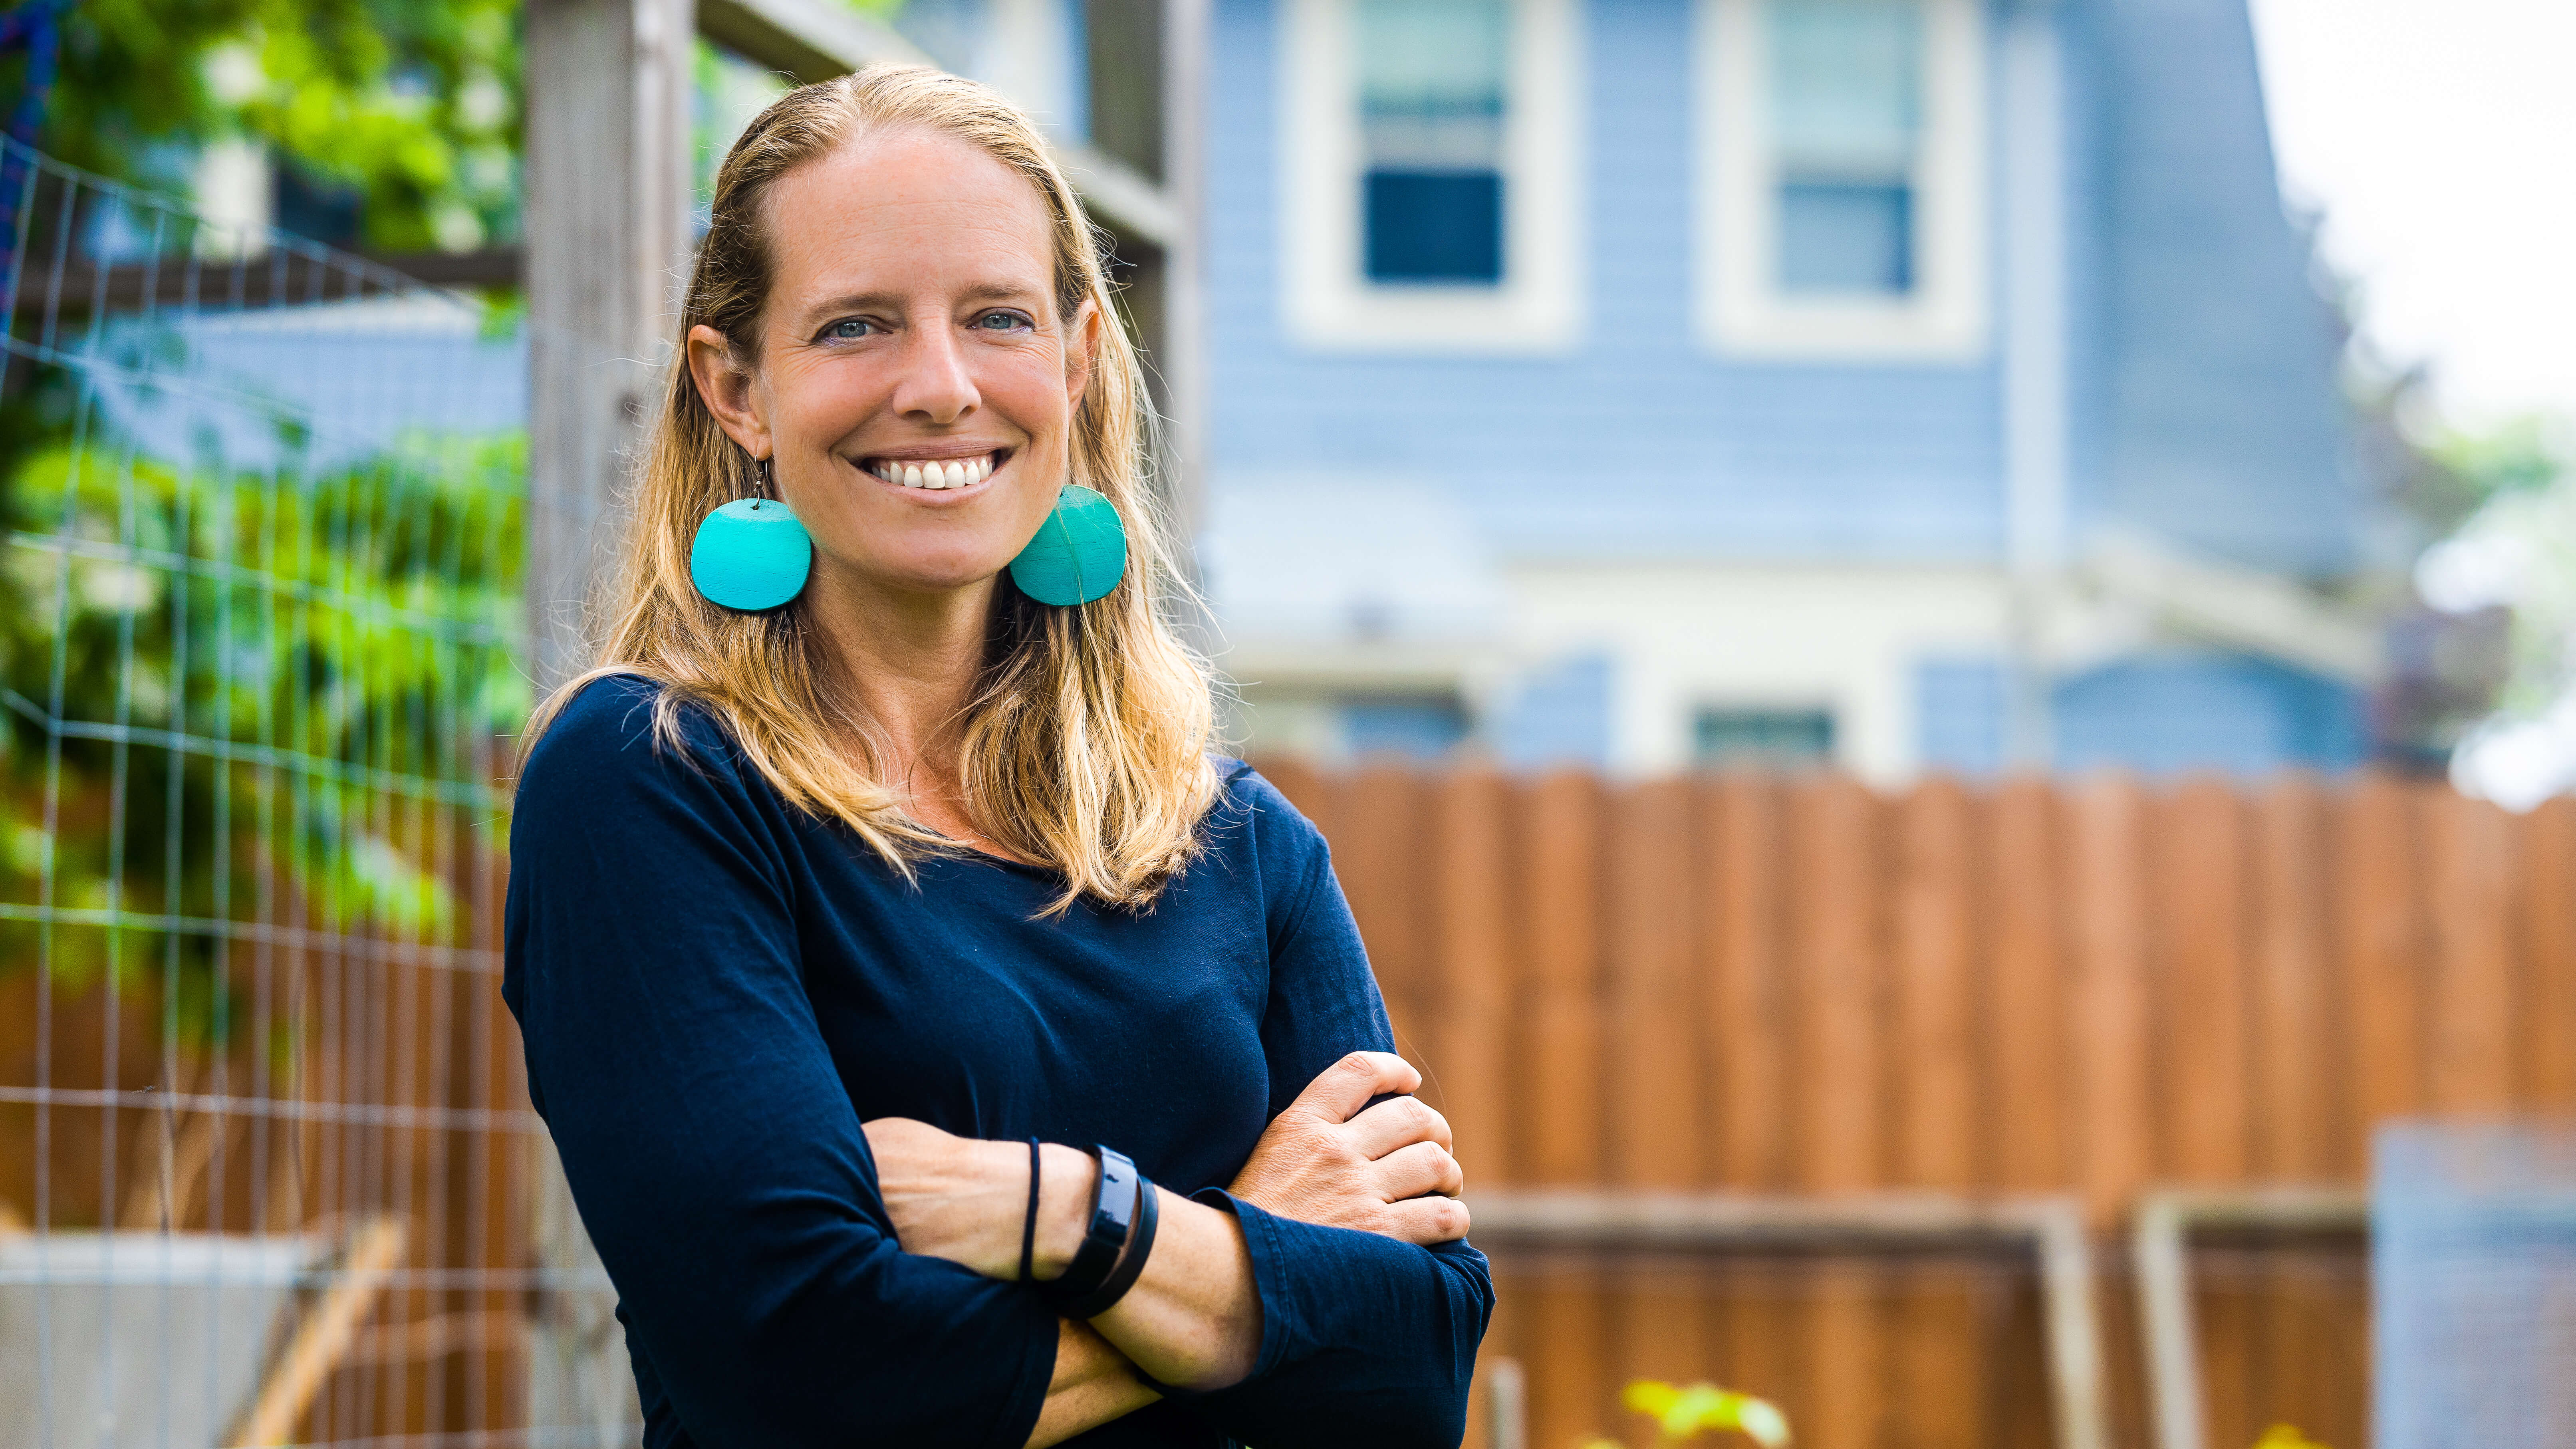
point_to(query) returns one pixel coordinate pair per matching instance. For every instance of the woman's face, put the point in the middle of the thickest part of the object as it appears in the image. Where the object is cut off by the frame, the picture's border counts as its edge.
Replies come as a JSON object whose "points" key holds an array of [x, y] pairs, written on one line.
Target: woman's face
{"points": [[915, 388]]}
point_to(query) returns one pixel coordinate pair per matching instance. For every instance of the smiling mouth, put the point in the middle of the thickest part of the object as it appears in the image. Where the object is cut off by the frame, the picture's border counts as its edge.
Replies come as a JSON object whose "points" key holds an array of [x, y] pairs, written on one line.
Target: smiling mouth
{"points": [[929, 474]]}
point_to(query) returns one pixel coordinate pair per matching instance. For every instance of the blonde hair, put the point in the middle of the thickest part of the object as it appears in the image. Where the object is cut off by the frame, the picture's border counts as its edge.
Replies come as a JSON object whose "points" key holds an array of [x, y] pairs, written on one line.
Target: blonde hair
{"points": [[1085, 744]]}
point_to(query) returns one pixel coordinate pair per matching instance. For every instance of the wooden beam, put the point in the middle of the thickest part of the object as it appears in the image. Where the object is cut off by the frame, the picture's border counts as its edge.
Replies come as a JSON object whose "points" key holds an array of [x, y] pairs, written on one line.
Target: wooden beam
{"points": [[608, 186], [608, 180], [806, 40], [323, 1340], [1119, 195], [2159, 1243]]}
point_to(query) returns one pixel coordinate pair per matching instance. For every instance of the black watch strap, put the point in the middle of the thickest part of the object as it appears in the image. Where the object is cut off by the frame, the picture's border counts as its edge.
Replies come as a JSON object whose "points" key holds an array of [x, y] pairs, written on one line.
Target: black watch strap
{"points": [[1130, 1263], [1113, 1212]]}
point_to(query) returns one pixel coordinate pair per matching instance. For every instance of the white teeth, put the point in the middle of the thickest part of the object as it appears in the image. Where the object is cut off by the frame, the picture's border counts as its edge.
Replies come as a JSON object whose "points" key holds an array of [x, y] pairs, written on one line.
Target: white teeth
{"points": [[955, 473]]}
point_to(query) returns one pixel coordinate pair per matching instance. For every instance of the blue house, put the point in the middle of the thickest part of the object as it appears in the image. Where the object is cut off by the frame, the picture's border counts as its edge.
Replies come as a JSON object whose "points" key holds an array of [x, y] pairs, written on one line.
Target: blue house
{"points": [[1905, 384], [1900, 384]]}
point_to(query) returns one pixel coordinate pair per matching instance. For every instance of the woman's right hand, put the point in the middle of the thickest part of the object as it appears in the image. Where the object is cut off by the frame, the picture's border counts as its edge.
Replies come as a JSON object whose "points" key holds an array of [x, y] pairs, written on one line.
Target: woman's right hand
{"points": [[1386, 1169]]}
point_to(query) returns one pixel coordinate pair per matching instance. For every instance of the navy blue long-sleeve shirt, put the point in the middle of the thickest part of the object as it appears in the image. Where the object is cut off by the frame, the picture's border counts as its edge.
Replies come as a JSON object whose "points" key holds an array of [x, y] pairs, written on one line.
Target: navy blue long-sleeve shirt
{"points": [[716, 989]]}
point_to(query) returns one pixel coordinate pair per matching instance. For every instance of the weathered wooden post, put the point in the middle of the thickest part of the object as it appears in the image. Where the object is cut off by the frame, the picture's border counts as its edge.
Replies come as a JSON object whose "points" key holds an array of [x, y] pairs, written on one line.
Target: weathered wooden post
{"points": [[608, 191]]}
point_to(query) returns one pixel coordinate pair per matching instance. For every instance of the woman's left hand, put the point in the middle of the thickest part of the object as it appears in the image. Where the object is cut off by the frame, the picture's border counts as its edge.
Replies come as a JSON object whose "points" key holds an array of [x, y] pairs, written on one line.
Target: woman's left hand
{"points": [[952, 1197]]}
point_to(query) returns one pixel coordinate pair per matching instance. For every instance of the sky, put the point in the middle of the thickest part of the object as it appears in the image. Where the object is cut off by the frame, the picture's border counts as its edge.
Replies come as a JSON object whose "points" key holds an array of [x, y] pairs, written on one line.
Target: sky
{"points": [[2438, 139]]}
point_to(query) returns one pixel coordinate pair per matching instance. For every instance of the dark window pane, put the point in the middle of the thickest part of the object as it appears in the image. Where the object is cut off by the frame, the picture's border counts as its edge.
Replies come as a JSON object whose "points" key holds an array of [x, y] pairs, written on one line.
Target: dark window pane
{"points": [[1735, 738], [1435, 226], [1841, 236]]}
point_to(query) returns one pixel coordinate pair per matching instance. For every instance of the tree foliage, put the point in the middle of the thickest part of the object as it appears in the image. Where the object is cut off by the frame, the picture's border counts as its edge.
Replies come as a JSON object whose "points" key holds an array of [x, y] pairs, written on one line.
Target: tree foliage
{"points": [[413, 104], [278, 692]]}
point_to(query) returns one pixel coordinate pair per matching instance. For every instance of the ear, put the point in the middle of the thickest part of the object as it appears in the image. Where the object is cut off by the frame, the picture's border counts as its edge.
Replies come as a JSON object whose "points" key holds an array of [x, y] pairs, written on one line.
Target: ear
{"points": [[1084, 355], [725, 386]]}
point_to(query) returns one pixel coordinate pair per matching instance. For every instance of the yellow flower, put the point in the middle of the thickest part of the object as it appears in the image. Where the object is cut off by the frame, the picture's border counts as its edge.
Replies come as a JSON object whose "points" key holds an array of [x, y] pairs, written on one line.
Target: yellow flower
{"points": [[1684, 1413]]}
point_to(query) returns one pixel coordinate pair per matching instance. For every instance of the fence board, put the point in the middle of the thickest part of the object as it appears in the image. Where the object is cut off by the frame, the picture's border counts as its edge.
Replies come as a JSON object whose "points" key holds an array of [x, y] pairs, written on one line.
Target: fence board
{"points": [[2384, 956], [1938, 998], [1655, 1106], [1746, 955], [2549, 927], [1837, 1001], [1470, 1038], [1563, 1106], [2474, 892], [2112, 1014], [1939, 1120], [2296, 1046], [1387, 853], [2025, 1022], [1842, 1115], [2201, 874], [1573, 1386]]}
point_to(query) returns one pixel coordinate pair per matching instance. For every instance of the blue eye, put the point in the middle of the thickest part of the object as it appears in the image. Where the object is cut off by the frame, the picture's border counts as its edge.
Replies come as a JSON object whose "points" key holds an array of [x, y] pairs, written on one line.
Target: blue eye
{"points": [[847, 328], [1001, 321]]}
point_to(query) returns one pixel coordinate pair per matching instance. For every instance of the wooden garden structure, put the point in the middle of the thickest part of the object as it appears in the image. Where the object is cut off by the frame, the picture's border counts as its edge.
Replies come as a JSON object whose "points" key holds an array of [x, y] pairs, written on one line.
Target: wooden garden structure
{"points": [[1801, 987]]}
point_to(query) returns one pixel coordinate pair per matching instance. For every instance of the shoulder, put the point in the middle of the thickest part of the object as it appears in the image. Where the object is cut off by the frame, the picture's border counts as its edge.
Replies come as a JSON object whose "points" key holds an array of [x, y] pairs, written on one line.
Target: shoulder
{"points": [[1257, 830], [618, 743], [1249, 804]]}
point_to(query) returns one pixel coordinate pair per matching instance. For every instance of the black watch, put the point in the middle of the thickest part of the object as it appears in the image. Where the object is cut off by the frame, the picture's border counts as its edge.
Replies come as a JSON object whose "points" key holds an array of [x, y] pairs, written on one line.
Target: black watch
{"points": [[1114, 1197]]}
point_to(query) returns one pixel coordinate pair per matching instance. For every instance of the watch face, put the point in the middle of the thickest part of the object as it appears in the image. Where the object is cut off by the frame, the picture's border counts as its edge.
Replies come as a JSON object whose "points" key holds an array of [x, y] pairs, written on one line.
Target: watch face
{"points": [[1117, 1193]]}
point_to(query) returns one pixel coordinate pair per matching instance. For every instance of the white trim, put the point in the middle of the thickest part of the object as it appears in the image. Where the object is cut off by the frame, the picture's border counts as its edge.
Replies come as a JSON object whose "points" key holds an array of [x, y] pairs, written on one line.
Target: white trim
{"points": [[1327, 302], [1739, 310]]}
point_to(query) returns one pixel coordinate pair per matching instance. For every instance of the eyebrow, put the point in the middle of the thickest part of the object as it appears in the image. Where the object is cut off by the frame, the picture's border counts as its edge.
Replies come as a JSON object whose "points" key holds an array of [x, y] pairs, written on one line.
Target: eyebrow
{"points": [[888, 301]]}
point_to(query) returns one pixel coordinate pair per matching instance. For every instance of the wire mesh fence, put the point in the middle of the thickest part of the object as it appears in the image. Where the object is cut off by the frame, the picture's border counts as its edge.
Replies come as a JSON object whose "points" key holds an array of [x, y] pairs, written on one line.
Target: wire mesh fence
{"points": [[2473, 1240], [267, 1172]]}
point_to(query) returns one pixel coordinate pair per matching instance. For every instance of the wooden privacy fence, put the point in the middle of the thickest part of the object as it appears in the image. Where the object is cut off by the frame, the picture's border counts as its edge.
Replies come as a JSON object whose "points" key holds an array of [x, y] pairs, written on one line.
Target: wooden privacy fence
{"points": [[1805, 986]]}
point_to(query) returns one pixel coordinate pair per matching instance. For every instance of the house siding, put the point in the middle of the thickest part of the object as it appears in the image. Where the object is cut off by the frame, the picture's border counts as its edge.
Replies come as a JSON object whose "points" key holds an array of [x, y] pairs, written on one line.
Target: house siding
{"points": [[2225, 428], [2166, 712], [1637, 441], [2201, 394]]}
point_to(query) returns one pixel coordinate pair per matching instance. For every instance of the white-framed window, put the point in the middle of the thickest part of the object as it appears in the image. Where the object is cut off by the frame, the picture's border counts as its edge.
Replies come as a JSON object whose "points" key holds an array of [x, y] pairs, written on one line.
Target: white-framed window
{"points": [[1841, 187], [1430, 155]]}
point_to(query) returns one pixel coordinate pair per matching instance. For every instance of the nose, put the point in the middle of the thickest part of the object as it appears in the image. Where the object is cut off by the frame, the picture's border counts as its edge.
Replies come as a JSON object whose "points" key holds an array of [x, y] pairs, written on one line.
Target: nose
{"points": [[936, 386]]}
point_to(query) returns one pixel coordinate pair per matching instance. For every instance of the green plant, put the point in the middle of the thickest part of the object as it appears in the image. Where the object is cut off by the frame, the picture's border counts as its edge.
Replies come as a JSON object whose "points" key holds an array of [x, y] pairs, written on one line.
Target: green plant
{"points": [[239, 695], [412, 104], [1683, 1413]]}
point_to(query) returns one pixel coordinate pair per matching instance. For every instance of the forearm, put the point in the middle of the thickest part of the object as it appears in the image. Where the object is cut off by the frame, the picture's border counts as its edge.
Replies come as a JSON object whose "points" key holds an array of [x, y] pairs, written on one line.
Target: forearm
{"points": [[1093, 1383], [1368, 1343], [1193, 1319]]}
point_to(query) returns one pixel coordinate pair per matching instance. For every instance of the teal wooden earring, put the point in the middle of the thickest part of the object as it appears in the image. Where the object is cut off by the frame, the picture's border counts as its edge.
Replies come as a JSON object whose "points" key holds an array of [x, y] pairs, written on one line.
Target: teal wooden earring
{"points": [[1079, 554], [751, 554]]}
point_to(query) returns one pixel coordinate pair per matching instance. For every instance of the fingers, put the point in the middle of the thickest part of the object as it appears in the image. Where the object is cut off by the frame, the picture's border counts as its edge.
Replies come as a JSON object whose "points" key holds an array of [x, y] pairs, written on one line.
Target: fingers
{"points": [[1426, 1220], [1423, 1168], [1397, 1122], [1344, 1087]]}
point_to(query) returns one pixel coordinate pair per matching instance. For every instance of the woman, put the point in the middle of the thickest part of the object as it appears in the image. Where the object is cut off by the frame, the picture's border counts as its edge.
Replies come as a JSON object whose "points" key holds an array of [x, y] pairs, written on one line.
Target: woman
{"points": [[881, 872]]}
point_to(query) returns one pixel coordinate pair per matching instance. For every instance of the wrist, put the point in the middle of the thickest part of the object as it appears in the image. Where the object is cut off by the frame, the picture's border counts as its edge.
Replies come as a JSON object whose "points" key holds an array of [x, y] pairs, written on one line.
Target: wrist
{"points": [[1064, 1206]]}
